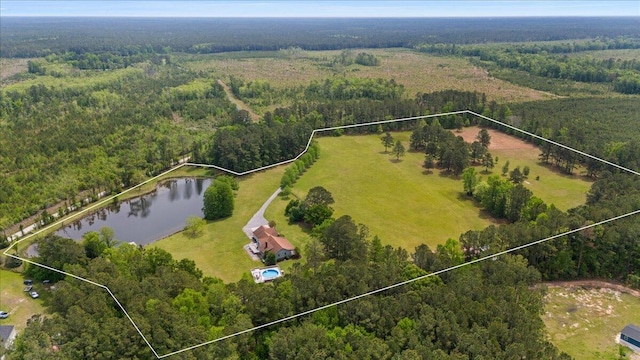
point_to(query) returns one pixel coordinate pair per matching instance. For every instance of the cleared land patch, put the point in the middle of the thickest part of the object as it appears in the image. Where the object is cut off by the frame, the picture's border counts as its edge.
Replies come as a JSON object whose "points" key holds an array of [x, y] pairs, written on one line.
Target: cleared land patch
{"points": [[17, 302], [10, 67], [396, 200], [554, 187], [237, 102], [584, 322], [418, 72]]}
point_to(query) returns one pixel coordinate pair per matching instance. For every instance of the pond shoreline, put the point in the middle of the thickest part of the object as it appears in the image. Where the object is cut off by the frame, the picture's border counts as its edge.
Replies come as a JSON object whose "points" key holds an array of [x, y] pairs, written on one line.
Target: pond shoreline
{"points": [[147, 217], [132, 194]]}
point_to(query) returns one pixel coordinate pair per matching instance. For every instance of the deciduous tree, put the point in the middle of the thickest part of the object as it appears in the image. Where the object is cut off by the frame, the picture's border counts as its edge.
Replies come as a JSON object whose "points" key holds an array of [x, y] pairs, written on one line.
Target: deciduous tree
{"points": [[194, 226], [218, 201], [470, 180]]}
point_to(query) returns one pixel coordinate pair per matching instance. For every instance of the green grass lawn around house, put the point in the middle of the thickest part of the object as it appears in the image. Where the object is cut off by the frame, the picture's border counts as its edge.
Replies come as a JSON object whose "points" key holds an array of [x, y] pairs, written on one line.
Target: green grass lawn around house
{"points": [[219, 250], [585, 322], [16, 302]]}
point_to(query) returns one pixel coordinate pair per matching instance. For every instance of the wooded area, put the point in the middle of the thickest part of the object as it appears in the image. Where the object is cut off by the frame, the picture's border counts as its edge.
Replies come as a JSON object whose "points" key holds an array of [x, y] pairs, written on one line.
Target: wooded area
{"points": [[101, 107]]}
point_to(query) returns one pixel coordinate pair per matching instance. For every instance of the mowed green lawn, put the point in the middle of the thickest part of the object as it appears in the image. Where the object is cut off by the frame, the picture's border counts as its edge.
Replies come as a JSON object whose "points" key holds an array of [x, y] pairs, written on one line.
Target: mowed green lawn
{"points": [[396, 200], [16, 302], [219, 250], [584, 322]]}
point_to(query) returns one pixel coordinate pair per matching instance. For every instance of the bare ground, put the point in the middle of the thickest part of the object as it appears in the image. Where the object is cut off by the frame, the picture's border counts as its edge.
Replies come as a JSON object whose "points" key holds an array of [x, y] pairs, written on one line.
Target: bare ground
{"points": [[10, 67], [593, 284], [499, 140]]}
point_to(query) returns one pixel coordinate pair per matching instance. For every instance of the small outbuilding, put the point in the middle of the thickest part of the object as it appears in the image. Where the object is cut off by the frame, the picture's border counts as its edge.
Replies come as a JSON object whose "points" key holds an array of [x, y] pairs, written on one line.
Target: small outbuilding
{"points": [[630, 337], [7, 335]]}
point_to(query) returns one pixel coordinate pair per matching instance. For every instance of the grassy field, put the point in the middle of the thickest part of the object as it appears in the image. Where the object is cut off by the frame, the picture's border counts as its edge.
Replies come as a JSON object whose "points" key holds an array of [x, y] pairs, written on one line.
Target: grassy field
{"points": [[418, 72], [218, 251], [80, 80], [16, 302], [584, 322], [554, 187], [402, 204], [396, 200]]}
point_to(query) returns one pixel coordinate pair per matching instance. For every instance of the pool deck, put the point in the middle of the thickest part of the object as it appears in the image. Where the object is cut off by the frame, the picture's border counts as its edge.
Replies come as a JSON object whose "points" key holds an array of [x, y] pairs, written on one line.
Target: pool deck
{"points": [[256, 274]]}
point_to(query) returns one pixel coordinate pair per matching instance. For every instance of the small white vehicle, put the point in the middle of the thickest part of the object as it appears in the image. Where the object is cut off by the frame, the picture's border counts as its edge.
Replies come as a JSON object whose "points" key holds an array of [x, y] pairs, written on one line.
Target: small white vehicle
{"points": [[34, 294]]}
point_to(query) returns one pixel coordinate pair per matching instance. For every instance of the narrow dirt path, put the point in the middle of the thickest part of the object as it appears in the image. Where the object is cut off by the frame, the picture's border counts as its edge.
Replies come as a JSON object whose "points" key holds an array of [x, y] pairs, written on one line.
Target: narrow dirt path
{"points": [[593, 284], [239, 103]]}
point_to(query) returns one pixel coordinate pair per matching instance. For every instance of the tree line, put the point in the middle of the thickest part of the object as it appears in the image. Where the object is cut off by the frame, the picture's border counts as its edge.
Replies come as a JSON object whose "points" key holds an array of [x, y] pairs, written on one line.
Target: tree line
{"points": [[284, 132], [30, 37]]}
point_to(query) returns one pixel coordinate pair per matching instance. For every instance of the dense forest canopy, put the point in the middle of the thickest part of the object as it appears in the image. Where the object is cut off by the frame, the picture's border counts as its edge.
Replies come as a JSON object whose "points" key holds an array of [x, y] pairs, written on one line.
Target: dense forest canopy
{"points": [[31, 37], [104, 104]]}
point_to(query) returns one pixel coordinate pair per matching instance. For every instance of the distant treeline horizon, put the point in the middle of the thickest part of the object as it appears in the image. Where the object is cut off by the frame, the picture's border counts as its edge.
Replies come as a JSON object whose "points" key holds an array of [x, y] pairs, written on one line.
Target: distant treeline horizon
{"points": [[41, 36]]}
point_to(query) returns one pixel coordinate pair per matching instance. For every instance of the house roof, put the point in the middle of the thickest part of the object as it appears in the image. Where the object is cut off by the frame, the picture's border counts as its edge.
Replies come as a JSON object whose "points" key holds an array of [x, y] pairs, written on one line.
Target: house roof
{"points": [[270, 241], [632, 331], [275, 244], [5, 332], [263, 232]]}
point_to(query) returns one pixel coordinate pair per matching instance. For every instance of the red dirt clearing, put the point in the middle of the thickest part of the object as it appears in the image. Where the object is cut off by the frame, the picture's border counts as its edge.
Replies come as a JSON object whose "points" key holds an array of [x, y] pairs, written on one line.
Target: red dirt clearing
{"points": [[499, 141]]}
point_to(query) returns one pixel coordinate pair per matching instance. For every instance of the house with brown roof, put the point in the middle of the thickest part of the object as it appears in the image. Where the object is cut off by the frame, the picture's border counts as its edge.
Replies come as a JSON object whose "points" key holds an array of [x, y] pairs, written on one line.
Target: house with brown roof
{"points": [[266, 238]]}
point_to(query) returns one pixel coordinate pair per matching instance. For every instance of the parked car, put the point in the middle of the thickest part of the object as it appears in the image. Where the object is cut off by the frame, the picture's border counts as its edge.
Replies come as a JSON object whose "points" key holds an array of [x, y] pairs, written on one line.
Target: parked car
{"points": [[34, 294], [28, 282], [4, 315], [28, 288]]}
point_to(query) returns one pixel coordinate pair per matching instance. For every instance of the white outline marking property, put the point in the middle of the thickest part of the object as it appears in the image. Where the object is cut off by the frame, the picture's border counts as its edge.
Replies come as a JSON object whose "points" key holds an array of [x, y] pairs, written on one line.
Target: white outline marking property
{"points": [[373, 292]]}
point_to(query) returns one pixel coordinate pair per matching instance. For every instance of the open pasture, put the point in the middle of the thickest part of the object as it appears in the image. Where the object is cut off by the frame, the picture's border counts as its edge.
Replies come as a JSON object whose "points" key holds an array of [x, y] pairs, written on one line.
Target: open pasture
{"points": [[418, 72], [17, 302], [396, 200]]}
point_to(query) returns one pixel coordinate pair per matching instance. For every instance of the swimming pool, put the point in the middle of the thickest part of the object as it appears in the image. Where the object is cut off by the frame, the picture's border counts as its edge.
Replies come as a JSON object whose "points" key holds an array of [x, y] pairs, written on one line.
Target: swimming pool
{"points": [[266, 274], [270, 274]]}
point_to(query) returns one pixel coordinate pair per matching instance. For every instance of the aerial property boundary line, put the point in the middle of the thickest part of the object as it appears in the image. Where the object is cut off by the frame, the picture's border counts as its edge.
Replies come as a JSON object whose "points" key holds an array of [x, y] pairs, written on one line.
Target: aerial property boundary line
{"points": [[289, 161], [313, 133], [422, 277]]}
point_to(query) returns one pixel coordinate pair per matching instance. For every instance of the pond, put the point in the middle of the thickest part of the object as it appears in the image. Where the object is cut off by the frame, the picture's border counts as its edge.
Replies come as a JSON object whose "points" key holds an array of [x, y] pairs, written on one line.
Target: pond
{"points": [[147, 218]]}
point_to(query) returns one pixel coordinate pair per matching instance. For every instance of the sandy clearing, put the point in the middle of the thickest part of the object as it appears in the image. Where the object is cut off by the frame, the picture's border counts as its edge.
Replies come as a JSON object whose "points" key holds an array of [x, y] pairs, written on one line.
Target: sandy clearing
{"points": [[499, 140]]}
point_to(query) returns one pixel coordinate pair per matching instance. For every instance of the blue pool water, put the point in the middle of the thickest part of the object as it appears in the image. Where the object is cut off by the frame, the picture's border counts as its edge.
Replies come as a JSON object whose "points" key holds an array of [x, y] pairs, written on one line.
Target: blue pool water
{"points": [[270, 274]]}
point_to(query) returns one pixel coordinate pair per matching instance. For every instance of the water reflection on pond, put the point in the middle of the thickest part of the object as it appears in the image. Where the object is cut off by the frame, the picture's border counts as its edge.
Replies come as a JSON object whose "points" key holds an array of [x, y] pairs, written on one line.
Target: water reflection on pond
{"points": [[147, 218]]}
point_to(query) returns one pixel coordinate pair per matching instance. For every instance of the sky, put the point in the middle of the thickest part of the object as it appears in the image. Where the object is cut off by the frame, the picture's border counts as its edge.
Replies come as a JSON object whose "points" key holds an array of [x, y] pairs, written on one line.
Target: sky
{"points": [[326, 8]]}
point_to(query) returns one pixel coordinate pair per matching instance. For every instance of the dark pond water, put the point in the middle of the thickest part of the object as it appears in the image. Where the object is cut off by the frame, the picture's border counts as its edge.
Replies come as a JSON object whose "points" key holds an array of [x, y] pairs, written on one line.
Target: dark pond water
{"points": [[147, 218]]}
